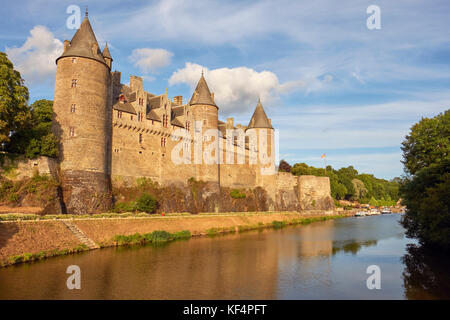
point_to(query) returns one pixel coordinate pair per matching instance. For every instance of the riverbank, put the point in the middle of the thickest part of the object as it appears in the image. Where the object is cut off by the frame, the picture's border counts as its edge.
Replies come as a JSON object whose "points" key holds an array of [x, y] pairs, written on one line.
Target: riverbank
{"points": [[28, 240]]}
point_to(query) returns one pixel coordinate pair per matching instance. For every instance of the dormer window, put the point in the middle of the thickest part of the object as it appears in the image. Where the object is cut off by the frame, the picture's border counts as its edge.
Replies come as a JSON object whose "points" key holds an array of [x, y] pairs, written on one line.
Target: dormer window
{"points": [[122, 98], [141, 101]]}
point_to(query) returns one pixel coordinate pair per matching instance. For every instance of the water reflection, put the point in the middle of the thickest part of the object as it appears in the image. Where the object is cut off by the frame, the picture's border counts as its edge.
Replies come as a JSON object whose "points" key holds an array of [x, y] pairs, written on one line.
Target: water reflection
{"points": [[325, 260], [352, 246], [426, 274]]}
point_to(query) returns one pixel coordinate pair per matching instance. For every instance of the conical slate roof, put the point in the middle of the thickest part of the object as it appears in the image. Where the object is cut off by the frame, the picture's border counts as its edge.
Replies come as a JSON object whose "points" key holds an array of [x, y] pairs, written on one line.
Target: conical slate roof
{"points": [[201, 94], [106, 53], [259, 118], [83, 44]]}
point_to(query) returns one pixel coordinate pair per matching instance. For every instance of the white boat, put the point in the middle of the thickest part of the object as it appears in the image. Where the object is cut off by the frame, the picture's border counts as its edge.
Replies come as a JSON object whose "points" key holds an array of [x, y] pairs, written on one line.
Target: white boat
{"points": [[373, 212], [386, 211], [360, 214]]}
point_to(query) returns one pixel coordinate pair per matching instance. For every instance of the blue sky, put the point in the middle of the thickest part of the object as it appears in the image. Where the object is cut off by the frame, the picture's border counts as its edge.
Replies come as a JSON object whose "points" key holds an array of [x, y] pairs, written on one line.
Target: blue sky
{"points": [[329, 83]]}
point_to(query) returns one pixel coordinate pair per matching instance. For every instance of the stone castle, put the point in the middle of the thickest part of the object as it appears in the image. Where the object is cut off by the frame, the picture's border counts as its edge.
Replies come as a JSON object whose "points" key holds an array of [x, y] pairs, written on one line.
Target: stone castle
{"points": [[111, 133]]}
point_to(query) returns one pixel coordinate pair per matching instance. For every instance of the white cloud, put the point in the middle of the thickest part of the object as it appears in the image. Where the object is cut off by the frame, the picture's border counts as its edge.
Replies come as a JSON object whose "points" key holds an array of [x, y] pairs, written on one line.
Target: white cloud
{"points": [[150, 60], [35, 59], [238, 89]]}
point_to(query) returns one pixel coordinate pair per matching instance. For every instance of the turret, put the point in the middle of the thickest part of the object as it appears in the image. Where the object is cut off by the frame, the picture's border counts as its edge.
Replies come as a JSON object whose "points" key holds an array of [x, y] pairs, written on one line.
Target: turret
{"points": [[107, 56], [205, 113], [82, 122], [261, 135]]}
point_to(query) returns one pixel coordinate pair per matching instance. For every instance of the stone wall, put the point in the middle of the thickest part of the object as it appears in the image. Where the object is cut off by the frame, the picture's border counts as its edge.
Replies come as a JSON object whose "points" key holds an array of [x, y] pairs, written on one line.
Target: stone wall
{"points": [[314, 193], [17, 168]]}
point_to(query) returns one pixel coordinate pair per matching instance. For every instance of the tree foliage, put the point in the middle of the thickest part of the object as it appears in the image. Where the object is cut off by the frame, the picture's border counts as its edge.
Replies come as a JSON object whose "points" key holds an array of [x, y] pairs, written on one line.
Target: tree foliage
{"points": [[347, 183], [284, 166], [427, 143], [427, 197], [426, 191], [36, 138], [14, 109]]}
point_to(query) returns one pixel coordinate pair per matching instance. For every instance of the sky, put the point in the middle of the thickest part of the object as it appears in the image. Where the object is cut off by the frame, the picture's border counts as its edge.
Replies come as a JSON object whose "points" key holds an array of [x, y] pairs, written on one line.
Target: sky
{"points": [[330, 84]]}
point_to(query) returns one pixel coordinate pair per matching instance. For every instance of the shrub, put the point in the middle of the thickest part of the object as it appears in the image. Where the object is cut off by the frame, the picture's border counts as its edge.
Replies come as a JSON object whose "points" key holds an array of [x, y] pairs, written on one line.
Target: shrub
{"points": [[146, 203], [236, 194], [278, 224], [124, 206]]}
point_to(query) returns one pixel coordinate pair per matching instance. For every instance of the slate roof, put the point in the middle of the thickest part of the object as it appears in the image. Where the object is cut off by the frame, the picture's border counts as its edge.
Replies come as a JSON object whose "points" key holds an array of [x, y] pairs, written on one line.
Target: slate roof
{"points": [[82, 43], [259, 118], [201, 94]]}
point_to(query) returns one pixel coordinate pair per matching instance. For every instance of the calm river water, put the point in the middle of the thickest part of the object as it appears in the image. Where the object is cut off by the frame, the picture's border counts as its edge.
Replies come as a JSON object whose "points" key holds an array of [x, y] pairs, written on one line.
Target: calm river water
{"points": [[323, 260]]}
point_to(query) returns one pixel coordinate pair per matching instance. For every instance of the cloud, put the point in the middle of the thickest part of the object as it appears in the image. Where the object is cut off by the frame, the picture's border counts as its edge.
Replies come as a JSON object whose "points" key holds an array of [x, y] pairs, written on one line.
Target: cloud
{"points": [[150, 60], [35, 59], [238, 89]]}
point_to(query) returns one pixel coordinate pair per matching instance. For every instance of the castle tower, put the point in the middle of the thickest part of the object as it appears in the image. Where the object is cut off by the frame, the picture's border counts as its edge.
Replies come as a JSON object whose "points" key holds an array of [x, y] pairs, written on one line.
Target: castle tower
{"points": [[261, 128], [82, 122], [205, 113]]}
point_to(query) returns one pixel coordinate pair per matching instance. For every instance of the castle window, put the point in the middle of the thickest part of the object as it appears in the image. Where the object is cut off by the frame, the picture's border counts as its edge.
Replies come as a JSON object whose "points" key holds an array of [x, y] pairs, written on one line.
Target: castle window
{"points": [[122, 98], [188, 126], [72, 108], [153, 122], [72, 131], [119, 114], [74, 60], [204, 122], [131, 117], [163, 142], [140, 116], [165, 121], [140, 137], [116, 150], [141, 101], [74, 83]]}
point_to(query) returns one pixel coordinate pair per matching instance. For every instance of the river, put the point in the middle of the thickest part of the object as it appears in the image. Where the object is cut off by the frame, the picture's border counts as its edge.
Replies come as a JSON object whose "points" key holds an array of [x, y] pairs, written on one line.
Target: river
{"points": [[322, 260]]}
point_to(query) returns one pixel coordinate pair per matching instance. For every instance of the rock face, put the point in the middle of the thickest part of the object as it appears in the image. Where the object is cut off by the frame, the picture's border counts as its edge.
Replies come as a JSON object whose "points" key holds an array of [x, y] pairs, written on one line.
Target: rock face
{"points": [[288, 193]]}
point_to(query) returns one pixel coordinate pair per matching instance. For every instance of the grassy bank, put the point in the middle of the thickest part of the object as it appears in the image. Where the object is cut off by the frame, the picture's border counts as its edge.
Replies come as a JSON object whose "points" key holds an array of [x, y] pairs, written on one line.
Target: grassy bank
{"points": [[31, 240]]}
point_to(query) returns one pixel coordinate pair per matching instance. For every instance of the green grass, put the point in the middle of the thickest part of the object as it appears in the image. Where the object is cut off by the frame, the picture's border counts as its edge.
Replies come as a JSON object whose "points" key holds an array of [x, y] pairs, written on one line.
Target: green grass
{"points": [[153, 237], [28, 257]]}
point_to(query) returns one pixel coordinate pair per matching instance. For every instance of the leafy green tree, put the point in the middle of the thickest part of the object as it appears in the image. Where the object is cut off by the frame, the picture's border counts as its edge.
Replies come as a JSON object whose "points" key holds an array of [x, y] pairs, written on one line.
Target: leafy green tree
{"points": [[36, 138], [427, 143], [14, 109], [360, 189], [427, 197]]}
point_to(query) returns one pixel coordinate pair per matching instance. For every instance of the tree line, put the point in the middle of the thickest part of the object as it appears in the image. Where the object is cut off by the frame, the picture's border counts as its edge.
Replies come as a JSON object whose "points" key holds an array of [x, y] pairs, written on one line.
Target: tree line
{"points": [[348, 184]]}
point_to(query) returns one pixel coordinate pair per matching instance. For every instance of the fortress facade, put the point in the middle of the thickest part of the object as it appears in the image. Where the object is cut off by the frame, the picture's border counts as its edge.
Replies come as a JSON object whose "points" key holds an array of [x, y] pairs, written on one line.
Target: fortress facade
{"points": [[112, 133]]}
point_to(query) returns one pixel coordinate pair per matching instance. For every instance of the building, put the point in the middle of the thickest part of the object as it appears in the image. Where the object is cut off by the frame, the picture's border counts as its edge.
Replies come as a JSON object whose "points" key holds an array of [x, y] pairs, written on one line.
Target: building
{"points": [[112, 133]]}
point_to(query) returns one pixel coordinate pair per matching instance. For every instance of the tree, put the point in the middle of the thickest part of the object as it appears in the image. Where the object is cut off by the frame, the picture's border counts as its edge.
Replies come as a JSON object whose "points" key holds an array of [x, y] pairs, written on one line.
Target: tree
{"points": [[427, 197], [284, 166], [14, 109], [36, 138], [360, 189], [427, 143]]}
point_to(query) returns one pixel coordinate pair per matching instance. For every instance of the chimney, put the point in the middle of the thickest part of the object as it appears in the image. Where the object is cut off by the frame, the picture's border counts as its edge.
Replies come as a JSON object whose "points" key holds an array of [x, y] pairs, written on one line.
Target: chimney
{"points": [[270, 121], [66, 45], [116, 77], [212, 97], [136, 83], [230, 123], [178, 100]]}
